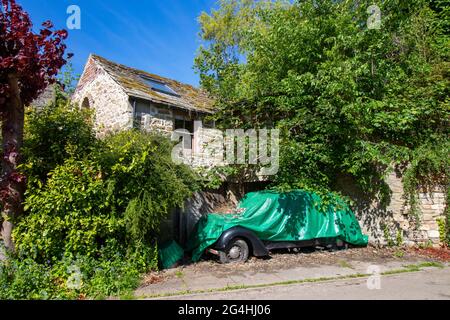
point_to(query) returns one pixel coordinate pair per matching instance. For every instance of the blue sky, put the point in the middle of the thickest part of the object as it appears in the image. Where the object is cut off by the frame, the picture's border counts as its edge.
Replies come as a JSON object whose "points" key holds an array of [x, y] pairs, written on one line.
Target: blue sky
{"points": [[156, 36]]}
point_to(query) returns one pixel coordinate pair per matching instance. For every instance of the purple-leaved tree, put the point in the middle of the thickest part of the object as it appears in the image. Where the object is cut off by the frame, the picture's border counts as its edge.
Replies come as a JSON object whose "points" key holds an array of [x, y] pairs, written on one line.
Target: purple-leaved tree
{"points": [[29, 62]]}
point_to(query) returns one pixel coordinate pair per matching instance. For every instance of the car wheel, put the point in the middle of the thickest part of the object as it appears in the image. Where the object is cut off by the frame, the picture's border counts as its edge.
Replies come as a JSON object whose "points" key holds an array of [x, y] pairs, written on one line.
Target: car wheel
{"points": [[341, 245], [236, 251]]}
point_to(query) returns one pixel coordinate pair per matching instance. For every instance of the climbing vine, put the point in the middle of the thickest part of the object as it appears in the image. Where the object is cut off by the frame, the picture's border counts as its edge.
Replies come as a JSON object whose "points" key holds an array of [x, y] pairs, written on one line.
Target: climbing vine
{"points": [[347, 99]]}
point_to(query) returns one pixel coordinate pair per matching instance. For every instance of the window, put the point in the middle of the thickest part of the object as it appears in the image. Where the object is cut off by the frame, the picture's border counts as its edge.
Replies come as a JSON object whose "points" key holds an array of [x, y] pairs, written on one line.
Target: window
{"points": [[159, 86], [140, 110], [184, 124], [188, 139], [86, 104]]}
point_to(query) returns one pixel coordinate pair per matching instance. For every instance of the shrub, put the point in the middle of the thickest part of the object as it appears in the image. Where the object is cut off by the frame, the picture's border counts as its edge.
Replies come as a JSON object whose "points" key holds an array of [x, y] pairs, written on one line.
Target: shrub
{"points": [[147, 184], [90, 225], [111, 274], [114, 273], [25, 279], [123, 192], [72, 213], [53, 134]]}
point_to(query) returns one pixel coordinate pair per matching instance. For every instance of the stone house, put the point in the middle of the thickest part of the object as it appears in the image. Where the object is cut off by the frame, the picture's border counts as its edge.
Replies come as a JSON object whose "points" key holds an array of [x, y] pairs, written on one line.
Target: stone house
{"points": [[46, 98], [124, 98]]}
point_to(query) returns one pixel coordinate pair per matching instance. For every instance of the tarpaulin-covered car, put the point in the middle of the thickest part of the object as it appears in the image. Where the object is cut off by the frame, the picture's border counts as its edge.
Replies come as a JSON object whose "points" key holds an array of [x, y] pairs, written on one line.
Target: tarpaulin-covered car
{"points": [[267, 220]]}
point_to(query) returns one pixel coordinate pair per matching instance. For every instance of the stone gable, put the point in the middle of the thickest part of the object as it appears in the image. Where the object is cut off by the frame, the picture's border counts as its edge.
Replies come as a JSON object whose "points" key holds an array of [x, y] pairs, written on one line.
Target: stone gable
{"points": [[99, 92]]}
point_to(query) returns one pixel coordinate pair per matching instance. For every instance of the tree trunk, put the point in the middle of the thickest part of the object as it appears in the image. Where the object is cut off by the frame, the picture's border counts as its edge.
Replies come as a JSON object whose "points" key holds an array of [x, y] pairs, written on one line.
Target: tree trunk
{"points": [[13, 185]]}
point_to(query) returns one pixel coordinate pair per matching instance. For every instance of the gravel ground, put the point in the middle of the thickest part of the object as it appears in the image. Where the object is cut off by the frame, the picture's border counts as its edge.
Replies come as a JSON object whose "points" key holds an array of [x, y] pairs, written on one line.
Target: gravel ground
{"points": [[285, 260]]}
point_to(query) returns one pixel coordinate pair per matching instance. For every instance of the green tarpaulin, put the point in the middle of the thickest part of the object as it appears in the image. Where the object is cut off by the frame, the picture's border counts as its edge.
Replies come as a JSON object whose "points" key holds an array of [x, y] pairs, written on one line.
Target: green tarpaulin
{"points": [[274, 216], [169, 254]]}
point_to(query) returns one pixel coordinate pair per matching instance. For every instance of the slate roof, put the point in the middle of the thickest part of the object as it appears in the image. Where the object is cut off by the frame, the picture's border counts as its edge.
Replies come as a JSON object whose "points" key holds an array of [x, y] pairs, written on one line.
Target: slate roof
{"points": [[188, 98]]}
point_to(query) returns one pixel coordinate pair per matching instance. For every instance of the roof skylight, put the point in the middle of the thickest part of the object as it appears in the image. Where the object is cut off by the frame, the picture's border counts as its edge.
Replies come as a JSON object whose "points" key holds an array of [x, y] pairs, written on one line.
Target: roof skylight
{"points": [[159, 86]]}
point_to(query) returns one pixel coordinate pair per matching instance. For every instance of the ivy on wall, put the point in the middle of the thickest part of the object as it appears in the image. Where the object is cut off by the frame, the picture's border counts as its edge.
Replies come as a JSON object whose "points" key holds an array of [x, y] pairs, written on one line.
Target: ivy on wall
{"points": [[347, 99]]}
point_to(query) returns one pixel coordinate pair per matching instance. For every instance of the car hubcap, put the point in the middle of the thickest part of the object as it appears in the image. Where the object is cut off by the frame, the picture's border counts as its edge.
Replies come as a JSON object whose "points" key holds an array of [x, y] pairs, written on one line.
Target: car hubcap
{"points": [[234, 252]]}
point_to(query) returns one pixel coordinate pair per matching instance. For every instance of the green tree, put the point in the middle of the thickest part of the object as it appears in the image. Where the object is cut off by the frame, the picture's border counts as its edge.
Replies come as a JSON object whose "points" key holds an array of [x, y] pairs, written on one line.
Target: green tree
{"points": [[346, 98]]}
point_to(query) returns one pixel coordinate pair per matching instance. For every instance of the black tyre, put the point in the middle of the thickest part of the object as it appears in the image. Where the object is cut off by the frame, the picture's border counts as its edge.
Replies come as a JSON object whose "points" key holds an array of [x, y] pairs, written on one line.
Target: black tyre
{"points": [[342, 245], [236, 251], [339, 245]]}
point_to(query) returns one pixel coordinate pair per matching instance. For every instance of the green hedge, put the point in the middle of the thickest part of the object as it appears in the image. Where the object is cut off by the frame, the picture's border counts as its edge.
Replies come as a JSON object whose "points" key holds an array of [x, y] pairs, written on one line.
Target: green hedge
{"points": [[92, 208]]}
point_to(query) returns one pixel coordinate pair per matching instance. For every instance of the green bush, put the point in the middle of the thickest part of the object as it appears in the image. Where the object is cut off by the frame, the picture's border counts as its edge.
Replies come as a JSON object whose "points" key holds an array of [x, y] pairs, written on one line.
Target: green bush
{"points": [[82, 190], [25, 279], [147, 184], [53, 134], [347, 100], [112, 274], [92, 208], [72, 213]]}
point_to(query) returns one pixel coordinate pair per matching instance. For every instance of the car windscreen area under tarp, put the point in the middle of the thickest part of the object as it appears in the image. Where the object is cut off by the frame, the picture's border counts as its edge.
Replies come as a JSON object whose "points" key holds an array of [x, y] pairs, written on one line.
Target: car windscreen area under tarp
{"points": [[274, 216]]}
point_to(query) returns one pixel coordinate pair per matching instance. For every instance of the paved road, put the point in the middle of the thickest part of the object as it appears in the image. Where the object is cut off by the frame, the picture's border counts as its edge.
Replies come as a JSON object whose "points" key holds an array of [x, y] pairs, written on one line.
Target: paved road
{"points": [[431, 283]]}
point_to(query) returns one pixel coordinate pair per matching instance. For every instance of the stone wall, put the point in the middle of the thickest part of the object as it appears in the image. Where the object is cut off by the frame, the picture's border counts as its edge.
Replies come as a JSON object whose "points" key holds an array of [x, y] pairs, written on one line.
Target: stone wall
{"points": [[207, 201], [208, 151], [45, 98], [154, 118], [2, 252], [98, 91], [201, 203], [377, 218], [390, 219]]}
